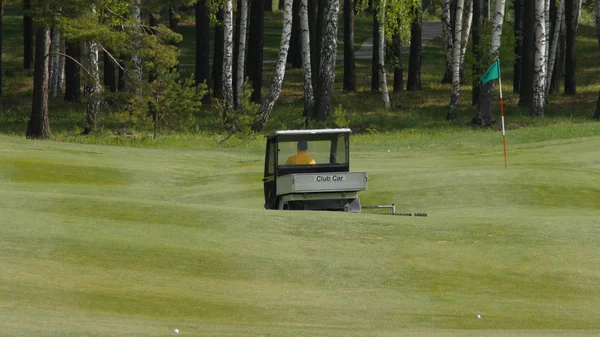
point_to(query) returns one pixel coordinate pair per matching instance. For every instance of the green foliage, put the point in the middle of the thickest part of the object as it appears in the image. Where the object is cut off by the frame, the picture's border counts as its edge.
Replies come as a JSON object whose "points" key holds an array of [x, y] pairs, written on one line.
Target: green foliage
{"points": [[172, 104]]}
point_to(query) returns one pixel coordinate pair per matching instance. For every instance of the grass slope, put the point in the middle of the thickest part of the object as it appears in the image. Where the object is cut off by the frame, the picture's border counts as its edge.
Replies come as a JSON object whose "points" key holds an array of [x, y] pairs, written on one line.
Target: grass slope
{"points": [[116, 241]]}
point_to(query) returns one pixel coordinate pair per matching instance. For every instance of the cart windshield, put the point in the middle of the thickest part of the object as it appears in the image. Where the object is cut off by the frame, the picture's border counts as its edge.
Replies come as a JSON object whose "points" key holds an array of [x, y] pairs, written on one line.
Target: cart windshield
{"points": [[323, 149]]}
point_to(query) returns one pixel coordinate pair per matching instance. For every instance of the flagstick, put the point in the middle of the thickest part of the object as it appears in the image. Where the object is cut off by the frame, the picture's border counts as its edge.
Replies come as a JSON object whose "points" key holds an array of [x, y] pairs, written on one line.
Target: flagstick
{"points": [[503, 130]]}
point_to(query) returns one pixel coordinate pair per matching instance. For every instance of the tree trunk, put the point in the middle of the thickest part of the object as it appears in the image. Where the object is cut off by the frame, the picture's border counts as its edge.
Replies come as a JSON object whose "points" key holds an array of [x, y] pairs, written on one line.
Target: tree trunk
{"points": [[466, 30], [55, 70], [218, 57], [328, 57], [349, 60], [447, 37], [559, 65], [27, 35], [72, 72], [382, 75], [228, 58], [268, 5], [456, 50], [281, 4], [39, 125], [526, 93], [241, 55], [92, 85], [518, 29], [1, 49], [236, 48], [571, 14], [295, 53], [539, 71], [203, 45], [110, 80], [375, 52], [136, 60], [483, 113], [399, 69], [275, 90], [255, 47], [477, 52], [414, 61], [596, 115], [318, 41], [309, 96], [559, 14]]}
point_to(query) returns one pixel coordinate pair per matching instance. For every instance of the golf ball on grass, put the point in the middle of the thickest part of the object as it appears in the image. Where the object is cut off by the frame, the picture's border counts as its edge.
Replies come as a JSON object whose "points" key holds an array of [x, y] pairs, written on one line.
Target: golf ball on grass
{"points": [[478, 316], [176, 331]]}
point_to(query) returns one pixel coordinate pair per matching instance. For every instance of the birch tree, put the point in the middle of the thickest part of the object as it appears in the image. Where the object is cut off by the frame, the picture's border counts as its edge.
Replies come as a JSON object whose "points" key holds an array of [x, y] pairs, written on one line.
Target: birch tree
{"points": [[92, 87], [382, 76], [265, 109], [309, 96], [38, 125], [456, 50], [241, 54], [57, 64], [447, 39], [539, 71], [228, 57], [483, 113], [553, 51], [467, 21], [328, 57]]}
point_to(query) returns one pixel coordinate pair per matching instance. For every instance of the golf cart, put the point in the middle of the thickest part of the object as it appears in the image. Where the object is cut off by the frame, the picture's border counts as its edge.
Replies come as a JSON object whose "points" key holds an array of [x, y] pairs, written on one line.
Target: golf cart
{"points": [[322, 181]]}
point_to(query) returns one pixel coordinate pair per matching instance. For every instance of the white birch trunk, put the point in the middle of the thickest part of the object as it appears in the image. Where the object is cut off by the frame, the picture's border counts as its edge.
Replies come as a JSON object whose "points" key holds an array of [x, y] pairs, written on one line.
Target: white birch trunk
{"points": [[447, 34], [382, 77], [547, 27], [242, 54], [275, 90], [467, 21], [453, 111], [560, 14], [55, 69], [328, 57], [539, 68], [309, 95], [228, 56], [497, 28], [61, 67], [92, 85]]}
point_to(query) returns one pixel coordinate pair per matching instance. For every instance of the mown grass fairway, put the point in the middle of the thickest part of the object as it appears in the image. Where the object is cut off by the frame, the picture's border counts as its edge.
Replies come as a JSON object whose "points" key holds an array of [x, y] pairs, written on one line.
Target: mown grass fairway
{"points": [[115, 241]]}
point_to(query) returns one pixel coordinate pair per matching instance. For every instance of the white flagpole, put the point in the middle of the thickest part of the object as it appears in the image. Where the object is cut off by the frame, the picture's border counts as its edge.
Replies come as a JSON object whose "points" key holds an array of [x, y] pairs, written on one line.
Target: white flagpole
{"points": [[502, 113]]}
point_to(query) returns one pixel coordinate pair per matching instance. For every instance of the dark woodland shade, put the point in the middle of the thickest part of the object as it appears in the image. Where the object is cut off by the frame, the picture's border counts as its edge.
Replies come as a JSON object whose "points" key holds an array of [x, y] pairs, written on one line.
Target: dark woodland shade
{"points": [[256, 43], [217, 71], [518, 30], [72, 72], [528, 55], [571, 7], [349, 59], [202, 43], [27, 36]]}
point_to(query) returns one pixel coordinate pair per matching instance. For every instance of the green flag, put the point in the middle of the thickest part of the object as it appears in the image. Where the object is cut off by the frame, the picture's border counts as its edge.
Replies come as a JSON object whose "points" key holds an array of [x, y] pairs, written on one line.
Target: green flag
{"points": [[493, 73]]}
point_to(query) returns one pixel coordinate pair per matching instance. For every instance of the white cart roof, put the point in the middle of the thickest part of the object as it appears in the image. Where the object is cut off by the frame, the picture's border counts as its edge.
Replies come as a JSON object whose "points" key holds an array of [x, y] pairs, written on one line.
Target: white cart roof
{"points": [[309, 132]]}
